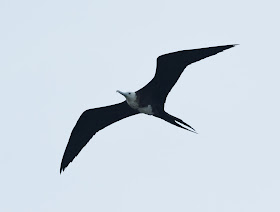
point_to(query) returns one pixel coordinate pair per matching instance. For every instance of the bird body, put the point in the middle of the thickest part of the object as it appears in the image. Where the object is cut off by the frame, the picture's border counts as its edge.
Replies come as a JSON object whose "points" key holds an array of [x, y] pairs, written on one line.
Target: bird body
{"points": [[134, 102], [149, 100]]}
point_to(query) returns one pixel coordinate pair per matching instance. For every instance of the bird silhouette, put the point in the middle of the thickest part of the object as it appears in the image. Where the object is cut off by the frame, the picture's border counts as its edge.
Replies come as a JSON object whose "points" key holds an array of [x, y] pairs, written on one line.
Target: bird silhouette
{"points": [[149, 100]]}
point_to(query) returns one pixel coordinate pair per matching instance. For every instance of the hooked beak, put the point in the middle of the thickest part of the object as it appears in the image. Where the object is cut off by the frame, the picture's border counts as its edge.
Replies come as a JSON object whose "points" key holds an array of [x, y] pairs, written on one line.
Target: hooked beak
{"points": [[122, 93]]}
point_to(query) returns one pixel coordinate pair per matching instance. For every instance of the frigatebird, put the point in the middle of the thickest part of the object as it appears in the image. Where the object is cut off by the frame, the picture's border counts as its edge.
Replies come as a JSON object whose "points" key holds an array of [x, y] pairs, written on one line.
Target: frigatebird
{"points": [[148, 100]]}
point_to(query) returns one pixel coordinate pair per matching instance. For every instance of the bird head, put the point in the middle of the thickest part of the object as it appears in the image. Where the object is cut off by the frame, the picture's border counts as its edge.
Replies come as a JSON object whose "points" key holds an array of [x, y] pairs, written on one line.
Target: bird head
{"points": [[130, 96]]}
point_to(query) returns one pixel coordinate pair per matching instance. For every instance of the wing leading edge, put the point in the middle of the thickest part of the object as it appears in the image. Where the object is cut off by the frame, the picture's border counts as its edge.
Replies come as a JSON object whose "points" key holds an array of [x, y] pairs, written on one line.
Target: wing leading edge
{"points": [[90, 122], [171, 66]]}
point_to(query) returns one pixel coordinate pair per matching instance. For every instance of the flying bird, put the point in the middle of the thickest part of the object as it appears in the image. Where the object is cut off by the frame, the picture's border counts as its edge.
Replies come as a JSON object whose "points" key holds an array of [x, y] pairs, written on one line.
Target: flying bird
{"points": [[149, 100]]}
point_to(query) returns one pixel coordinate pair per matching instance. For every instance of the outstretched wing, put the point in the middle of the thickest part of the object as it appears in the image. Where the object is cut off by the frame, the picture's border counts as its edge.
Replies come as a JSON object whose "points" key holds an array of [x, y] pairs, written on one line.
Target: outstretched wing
{"points": [[89, 123], [170, 67]]}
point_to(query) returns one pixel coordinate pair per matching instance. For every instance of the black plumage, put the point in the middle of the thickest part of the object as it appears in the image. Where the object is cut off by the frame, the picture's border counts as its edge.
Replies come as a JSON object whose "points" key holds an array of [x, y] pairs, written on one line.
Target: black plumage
{"points": [[169, 68]]}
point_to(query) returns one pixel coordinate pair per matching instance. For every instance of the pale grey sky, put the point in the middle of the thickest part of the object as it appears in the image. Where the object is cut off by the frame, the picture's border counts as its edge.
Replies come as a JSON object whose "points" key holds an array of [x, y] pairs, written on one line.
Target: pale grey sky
{"points": [[55, 54]]}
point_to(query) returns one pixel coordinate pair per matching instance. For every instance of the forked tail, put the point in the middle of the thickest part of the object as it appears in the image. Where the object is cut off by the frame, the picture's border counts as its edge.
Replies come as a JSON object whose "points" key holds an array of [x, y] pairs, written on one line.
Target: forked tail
{"points": [[173, 120]]}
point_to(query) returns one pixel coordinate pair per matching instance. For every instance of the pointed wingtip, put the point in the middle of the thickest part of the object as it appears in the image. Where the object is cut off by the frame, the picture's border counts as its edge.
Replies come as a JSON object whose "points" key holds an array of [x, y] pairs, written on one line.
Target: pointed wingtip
{"points": [[225, 47], [62, 168], [222, 48], [230, 46]]}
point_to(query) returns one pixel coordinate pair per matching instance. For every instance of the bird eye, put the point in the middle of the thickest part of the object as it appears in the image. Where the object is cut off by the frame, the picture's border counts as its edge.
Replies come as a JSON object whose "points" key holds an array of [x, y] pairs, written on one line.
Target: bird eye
{"points": [[129, 93]]}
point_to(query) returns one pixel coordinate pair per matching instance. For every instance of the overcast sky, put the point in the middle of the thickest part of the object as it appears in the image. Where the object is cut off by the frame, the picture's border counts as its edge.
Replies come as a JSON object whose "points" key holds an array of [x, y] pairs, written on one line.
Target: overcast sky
{"points": [[59, 58]]}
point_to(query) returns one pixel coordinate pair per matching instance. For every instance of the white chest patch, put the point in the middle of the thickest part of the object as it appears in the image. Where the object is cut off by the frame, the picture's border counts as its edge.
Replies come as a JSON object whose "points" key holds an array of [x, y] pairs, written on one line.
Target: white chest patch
{"points": [[147, 110]]}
